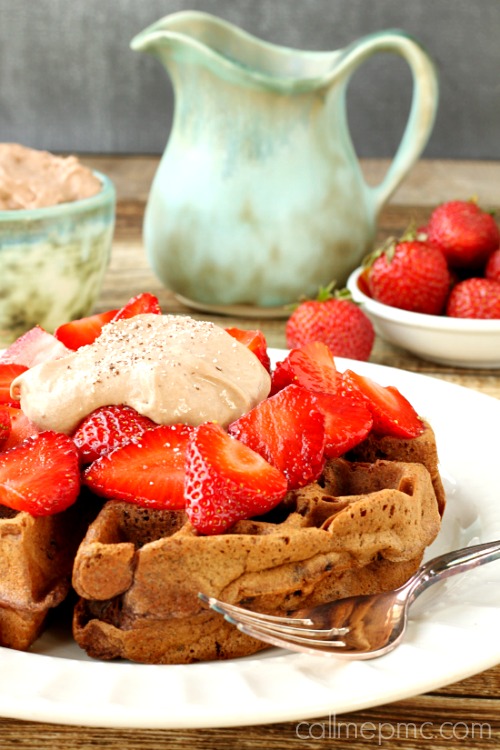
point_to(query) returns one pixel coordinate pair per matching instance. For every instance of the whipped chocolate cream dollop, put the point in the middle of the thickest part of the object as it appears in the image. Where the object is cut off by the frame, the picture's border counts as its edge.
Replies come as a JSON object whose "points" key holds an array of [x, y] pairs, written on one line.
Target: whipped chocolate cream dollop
{"points": [[171, 368], [36, 179]]}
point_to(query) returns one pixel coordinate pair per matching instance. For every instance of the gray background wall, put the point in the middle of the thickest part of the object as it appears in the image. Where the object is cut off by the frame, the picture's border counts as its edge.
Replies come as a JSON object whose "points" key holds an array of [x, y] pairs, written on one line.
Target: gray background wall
{"points": [[69, 82]]}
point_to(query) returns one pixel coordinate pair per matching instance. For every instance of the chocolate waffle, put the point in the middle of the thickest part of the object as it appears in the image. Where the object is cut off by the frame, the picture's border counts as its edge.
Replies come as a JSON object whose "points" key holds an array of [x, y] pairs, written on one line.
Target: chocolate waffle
{"points": [[361, 528], [36, 560]]}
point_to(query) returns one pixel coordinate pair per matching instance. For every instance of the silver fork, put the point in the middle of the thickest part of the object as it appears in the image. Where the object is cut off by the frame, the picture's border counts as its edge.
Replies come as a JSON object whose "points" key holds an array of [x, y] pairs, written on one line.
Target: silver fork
{"points": [[358, 627]]}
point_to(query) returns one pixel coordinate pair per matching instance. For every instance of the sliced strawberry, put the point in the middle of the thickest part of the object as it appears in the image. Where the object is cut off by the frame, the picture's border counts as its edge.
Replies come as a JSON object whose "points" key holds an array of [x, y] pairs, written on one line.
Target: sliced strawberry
{"points": [[392, 412], [83, 331], [347, 422], [288, 431], [142, 303], [5, 426], [9, 371], [148, 471], [108, 428], [255, 341], [227, 481], [33, 347], [40, 475], [311, 366], [20, 427]]}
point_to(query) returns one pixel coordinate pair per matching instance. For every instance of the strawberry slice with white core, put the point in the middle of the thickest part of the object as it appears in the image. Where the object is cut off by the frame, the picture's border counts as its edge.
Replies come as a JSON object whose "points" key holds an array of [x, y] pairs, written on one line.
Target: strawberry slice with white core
{"points": [[5, 426], [34, 347], [392, 413], [8, 372], [142, 303], [148, 471], [20, 427], [227, 481], [41, 475], [311, 366], [255, 341], [288, 431], [83, 331], [347, 422]]}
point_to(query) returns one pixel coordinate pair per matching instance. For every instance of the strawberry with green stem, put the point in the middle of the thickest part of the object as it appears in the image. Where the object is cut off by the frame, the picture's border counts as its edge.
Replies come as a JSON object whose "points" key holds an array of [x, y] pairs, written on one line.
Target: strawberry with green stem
{"points": [[408, 274], [335, 320]]}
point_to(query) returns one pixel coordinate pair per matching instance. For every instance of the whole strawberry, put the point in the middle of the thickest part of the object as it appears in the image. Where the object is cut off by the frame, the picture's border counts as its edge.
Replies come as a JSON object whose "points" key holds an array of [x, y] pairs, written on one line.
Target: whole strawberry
{"points": [[465, 233], [335, 320], [409, 274], [475, 298], [492, 270]]}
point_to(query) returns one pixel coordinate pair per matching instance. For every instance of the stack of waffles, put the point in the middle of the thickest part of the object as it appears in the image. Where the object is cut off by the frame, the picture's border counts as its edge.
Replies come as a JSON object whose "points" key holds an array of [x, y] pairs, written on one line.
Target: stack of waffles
{"points": [[36, 562], [362, 527]]}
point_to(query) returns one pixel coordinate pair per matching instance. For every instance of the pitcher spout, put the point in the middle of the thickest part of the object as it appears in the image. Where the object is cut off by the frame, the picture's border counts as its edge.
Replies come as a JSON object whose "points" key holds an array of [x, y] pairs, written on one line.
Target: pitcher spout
{"points": [[235, 54], [153, 38]]}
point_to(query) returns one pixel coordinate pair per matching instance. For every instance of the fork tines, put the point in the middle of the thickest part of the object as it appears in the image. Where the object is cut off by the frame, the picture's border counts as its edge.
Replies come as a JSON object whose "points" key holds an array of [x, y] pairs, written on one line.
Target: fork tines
{"points": [[280, 631]]}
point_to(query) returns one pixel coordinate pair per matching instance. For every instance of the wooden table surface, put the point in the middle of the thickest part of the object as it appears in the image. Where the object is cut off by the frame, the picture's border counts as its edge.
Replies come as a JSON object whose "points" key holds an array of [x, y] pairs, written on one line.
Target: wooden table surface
{"points": [[465, 714]]}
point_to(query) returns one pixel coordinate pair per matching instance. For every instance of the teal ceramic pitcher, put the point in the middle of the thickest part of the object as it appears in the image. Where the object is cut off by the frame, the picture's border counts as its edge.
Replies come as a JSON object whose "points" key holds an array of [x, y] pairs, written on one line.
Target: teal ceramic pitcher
{"points": [[259, 197]]}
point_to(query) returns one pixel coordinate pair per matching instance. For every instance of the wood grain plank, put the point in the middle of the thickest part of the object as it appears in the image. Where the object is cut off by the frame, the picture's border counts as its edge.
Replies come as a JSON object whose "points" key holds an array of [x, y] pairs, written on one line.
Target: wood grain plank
{"points": [[427, 721]]}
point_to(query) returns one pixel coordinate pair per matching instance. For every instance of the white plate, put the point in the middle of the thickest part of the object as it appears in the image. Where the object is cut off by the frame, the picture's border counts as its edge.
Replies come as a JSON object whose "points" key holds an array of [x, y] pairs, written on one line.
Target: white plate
{"points": [[453, 632]]}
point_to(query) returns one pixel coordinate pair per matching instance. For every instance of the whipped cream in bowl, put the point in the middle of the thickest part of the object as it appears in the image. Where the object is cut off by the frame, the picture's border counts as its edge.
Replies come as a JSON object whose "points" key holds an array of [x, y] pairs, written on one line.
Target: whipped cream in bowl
{"points": [[170, 368], [56, 229], [36, 179]]}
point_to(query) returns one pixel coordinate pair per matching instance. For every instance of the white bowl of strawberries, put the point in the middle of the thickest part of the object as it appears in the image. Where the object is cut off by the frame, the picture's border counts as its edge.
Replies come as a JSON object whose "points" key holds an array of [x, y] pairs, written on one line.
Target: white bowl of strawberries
{"points": [[436, 291]]}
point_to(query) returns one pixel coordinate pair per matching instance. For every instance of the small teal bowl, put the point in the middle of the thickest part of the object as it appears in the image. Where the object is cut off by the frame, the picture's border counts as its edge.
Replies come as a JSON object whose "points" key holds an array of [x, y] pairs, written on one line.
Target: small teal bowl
{"points": [[53, 261]]}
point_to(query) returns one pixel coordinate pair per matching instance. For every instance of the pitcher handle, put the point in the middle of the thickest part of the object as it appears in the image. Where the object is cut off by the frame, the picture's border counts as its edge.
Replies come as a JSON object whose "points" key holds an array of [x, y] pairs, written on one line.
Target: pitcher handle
{"points": [[423, 106]]}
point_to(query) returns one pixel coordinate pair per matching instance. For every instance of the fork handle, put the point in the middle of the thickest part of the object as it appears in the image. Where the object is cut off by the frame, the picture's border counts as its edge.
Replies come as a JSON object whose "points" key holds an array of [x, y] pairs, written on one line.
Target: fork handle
{"points": [[451, 563]]}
